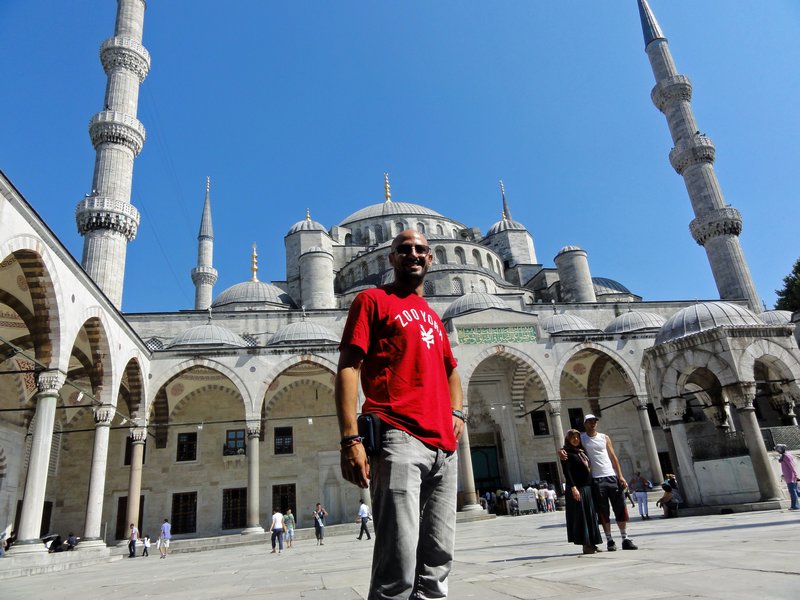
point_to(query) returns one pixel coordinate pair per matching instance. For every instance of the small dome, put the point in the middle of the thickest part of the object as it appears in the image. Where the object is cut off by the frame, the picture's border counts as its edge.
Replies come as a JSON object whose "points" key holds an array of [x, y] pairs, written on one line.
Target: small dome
{"points": [[207, 335], [385, 209], [307, 225], [567, 324], [302, 332], [505, 225], [566, 249], [776, 317], [253, 292], [608, 286], [705, 316], [473, 302], [635, 321]]}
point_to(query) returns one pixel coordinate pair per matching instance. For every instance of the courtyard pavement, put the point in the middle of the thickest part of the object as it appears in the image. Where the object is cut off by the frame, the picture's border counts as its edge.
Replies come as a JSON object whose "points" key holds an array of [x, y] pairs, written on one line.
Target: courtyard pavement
{"points": [[753, 556]]}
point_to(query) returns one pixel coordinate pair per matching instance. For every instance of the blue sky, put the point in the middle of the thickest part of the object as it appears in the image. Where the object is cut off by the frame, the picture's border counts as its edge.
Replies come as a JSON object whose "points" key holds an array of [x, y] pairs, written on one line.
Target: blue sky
{"points": [[297, 105]]}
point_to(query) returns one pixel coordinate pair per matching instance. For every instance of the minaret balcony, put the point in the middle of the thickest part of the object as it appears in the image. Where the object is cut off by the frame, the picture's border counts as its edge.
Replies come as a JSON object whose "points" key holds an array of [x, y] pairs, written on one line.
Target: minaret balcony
{"points": [[125, 53], [722, 221], [695, 150], [99, 212], [673, 89], [112, 127], [204, 275]]}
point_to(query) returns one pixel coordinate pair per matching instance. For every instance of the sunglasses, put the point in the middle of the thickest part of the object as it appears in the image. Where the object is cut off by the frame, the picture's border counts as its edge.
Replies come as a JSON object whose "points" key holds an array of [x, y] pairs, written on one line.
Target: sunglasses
{"points": [[406, 249]]}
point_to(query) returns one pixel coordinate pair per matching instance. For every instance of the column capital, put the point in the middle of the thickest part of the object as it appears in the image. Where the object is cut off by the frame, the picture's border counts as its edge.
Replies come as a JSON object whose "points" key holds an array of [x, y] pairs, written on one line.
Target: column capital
{"points": [[103, 415], [741, 394], [138, 435], [673, 410], [50, 382], [717, 415], [553, 408], [253, 428], [641, 402]]}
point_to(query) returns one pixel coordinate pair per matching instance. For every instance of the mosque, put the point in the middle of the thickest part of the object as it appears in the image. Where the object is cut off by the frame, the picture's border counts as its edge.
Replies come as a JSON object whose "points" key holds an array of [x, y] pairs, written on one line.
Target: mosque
{"points": [[213, 415]]}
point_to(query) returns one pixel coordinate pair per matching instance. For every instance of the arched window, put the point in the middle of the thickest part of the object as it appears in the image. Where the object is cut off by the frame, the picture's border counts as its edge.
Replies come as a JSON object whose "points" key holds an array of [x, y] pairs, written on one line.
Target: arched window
{"points": [[441, 256], [364, 271], [460, 257], [489, 261], [439, 230], [458, 286], [381, 262], [399, 227], [477, 256], [483, 286], [428, 289], [455, 234], [378, 233], [348, 239], [421, 227]]}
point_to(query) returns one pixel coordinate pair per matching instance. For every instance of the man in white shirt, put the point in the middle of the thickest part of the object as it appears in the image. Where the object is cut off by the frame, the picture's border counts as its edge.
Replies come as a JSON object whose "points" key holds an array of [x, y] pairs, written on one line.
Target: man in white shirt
{"points": [[608, 484], [363, 514]]}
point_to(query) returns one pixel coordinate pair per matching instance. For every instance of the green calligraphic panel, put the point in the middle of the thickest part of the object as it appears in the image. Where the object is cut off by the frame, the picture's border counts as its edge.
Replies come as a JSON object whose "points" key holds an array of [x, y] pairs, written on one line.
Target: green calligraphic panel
{"points": [[496, 335]]}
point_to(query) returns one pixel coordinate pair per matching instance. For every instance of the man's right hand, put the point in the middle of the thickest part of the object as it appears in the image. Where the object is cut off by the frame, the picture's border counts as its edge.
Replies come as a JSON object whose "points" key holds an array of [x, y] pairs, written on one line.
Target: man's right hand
{"points": [[562, 454], [355, 465]]}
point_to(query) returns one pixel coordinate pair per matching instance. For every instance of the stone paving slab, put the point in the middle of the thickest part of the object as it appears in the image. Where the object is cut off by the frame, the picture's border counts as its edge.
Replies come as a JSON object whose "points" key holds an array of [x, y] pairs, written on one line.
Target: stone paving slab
{"points": [[752, 556]]}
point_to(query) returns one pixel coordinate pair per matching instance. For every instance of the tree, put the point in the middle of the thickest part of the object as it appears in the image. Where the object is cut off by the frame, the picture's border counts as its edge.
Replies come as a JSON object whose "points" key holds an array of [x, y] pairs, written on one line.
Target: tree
{"points": [[789, 296]]}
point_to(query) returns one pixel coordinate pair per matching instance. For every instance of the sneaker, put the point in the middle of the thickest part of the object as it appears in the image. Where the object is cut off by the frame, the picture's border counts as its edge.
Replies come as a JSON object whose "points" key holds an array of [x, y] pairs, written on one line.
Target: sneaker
{"points": [[611, 546], [627, 544]]}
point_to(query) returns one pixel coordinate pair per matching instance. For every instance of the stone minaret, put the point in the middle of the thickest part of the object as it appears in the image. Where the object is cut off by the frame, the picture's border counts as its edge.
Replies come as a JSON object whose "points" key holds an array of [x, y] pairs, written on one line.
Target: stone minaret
{"points": [[204, 275], [106, 218], [716, 226]]}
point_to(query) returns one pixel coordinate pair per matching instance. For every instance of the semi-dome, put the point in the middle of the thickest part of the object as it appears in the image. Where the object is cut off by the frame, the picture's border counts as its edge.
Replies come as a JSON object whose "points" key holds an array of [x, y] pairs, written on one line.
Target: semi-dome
{"points": [[473, 302], [253, 292], [635, 321], [387, 209], [505, 225], [704, 316], [776, 317], [302, 332], [562, 323], [603, 285], [207, 335]]}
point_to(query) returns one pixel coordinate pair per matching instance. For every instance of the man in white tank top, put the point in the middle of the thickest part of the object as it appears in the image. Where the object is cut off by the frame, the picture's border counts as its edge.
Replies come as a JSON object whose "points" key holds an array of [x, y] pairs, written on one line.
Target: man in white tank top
{"points": [[608, 484]]}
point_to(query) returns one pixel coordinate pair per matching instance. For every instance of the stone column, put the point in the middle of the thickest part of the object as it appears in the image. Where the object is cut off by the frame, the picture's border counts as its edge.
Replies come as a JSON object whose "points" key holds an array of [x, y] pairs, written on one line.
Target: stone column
{"points": [[554, 414], [649, 441], [30, 522], [742, 395], [253, 480], [97, 478], [673, 458], [138, 437], [729, 412], [784, 402], [687, 480], [468, 497]]}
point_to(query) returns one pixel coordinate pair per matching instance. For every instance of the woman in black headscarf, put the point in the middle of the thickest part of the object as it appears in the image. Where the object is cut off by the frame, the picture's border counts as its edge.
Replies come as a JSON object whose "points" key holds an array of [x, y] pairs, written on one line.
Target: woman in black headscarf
{"points": [[582, 528]]}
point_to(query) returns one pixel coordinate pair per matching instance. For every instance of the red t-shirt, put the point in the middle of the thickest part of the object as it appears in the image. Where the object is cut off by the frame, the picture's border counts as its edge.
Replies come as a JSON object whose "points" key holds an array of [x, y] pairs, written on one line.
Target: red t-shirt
{"points": [[407, 360]]}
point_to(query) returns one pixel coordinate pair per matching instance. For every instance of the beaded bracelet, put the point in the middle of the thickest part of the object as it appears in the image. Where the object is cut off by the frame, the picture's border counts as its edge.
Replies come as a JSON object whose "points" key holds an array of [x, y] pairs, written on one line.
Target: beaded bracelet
{"points": [[350, 440]]}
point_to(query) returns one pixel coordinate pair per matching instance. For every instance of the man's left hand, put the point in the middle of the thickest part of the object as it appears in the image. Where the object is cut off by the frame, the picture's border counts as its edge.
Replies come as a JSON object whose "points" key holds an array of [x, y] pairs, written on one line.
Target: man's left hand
{"points": [[458, 427]]}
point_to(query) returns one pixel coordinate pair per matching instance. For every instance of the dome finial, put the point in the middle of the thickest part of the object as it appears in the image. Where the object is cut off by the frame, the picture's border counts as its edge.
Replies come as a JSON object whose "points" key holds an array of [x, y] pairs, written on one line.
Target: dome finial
{"points": [[208, 184], [506, 212], [387, 190], [254, 266], [308, 215], [209, 316]]}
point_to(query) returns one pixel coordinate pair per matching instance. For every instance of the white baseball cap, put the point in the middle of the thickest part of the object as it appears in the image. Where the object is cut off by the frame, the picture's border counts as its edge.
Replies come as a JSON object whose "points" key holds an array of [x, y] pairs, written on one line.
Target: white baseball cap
{"points": [[589, 417]]}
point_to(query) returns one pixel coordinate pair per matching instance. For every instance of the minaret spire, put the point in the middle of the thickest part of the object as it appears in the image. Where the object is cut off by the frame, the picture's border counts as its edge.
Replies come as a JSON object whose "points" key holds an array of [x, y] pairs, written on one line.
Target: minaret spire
{"points": [[106, 218], [254, 263], [387, 190], [506, 211], [204, 275], [716, 226]]}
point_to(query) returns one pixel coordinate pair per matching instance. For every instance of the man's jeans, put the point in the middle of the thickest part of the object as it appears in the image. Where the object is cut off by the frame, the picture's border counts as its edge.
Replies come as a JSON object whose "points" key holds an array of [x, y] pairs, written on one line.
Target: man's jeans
{"points": [[793, 494], [413, 489]]}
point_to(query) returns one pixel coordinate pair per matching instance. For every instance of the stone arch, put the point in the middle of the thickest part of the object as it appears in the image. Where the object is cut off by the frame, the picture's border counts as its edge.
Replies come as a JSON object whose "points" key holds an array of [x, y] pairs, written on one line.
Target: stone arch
{"points": [[290, 361], [94, 323], [44, 289], [461, 258], [514, 355], [775, 355], [285, 390], [625, 369], [441, 255], [681, 368], [131, 388], [223, 390], [210, 364]]}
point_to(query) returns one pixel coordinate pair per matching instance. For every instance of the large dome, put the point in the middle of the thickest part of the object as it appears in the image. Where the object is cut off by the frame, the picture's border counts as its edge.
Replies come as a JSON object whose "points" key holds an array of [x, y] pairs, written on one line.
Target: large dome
{"points": [[567, 324], [253, 292], [635, 321], [207, 335], [704, 316], [473, 302], [387, 209], [603, 285], [302, 332], [776, 317]]}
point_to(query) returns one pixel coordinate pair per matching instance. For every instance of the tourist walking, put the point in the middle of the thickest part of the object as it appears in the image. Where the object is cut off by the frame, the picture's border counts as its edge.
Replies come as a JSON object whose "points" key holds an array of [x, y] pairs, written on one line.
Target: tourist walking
{"points": [[289, 522], [363, 516], [164, 536], [132, 539], [277, 530], [789, 472], [640, 485], [145, 545]]}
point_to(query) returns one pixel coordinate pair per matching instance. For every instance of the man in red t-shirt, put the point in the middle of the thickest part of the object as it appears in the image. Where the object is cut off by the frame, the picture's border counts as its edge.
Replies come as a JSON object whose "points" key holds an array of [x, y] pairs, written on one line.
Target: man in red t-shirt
{"points": [[398, 347]]}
